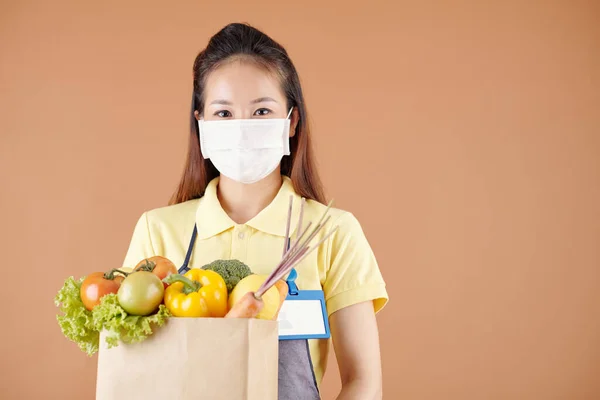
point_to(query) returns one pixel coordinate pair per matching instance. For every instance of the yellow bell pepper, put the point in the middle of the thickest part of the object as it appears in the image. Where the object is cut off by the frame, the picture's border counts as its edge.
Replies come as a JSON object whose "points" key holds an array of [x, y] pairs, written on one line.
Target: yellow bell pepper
{"points": [[197, 293]]}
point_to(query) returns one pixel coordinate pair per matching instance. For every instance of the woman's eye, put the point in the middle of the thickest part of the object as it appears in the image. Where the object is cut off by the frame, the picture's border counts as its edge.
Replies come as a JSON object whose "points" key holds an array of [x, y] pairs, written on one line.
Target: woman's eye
{"points": [[223, 114], [261, 112]]}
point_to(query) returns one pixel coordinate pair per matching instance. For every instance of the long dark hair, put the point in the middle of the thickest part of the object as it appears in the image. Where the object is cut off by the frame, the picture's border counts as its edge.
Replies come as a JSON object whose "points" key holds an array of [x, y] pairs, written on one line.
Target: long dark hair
{"points": [[242, 40]]}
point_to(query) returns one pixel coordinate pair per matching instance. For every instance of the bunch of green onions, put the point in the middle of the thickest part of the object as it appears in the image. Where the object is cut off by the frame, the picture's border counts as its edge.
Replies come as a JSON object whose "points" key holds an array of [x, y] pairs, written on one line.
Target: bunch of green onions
{"points": [[294, 254]]}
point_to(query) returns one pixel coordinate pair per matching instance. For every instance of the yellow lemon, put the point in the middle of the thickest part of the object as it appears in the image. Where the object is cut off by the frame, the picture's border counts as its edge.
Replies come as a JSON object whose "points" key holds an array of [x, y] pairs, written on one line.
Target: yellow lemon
{"points": [[251, 283]]}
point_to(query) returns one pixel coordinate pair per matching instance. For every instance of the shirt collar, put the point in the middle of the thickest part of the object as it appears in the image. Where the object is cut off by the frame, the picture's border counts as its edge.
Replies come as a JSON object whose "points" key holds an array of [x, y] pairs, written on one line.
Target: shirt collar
{"points": [[212, 220]]}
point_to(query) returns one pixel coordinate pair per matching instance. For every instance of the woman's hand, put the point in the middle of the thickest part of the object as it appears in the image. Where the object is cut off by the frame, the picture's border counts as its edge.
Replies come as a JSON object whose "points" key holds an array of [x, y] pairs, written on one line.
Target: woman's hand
{"points": [[356, 344]]}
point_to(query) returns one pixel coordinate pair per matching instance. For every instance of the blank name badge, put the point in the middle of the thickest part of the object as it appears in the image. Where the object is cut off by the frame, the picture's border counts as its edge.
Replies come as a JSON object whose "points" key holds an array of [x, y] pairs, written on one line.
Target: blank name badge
{"points": [[303, 315]]}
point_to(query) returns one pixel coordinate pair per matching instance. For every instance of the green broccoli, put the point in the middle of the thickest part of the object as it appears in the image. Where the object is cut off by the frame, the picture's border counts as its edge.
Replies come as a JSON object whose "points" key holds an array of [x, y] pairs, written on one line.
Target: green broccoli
{"points": [[232, 271]]}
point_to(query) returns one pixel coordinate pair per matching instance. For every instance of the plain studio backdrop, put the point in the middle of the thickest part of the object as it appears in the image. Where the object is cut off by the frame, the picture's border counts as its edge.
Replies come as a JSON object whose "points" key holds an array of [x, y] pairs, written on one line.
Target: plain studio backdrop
{"points": [[464, 135]]}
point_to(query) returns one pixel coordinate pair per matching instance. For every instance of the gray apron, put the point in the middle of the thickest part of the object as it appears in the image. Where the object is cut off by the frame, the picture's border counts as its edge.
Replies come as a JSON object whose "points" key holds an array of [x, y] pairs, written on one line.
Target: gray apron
{"points": [[296, 374]]}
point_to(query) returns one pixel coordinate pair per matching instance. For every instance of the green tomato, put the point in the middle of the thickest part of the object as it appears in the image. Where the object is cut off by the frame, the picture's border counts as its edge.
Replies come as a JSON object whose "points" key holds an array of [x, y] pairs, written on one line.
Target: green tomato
{"points": [[141, 293]]}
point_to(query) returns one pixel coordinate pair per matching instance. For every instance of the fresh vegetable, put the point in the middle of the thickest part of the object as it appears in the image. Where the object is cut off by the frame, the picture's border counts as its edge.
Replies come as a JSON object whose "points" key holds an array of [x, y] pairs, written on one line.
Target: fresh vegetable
{"points": [[76, 322], [251, 283], [141, 293], [83, 326], [232, 271], [99, 284], [158, 265], [120, 326], [197, 293], [248, 306]]}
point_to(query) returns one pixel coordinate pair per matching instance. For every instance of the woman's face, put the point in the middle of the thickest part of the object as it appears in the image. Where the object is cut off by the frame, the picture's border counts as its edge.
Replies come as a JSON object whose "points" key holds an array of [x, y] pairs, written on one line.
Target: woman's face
{"points": [[243, 90]]}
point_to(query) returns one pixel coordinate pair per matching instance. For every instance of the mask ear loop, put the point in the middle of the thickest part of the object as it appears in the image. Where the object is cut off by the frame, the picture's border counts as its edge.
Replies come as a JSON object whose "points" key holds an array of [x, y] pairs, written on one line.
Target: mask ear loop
{"points": [[198, 127], [287, 137]]}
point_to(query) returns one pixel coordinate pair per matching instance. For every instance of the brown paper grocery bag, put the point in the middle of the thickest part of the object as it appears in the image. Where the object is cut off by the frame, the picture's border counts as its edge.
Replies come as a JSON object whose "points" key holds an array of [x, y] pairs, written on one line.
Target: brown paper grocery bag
{"points": [[193, 358]]}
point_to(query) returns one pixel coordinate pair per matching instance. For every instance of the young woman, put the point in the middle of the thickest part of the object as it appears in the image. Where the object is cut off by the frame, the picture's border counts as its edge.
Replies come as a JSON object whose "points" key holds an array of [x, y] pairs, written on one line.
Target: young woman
{"points": [[249, 150]]}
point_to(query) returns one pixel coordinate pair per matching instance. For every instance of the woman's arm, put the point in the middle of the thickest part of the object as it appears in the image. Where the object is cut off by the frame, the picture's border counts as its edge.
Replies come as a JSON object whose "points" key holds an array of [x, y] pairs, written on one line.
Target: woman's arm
{"points": [[356, 343]]}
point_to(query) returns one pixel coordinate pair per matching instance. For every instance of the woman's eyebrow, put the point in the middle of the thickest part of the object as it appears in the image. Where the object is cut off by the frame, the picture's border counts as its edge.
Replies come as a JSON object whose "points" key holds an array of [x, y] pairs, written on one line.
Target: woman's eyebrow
{"points": [[263, 100], [255, 101], [221, 101]]}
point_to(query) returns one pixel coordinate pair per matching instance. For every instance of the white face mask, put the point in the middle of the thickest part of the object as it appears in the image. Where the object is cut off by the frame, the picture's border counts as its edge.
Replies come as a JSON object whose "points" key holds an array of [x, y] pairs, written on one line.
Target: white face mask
{"points": [[245, 150]]}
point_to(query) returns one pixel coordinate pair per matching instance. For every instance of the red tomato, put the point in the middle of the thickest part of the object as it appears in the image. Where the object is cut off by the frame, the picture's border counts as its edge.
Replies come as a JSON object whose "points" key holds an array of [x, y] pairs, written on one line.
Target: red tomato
{"points": [[159, 266], [95, 286]]}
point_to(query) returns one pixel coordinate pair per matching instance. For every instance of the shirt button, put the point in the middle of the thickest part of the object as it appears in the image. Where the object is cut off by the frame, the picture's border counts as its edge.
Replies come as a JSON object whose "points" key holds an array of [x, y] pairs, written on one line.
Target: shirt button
{"points": [[241, 235]]}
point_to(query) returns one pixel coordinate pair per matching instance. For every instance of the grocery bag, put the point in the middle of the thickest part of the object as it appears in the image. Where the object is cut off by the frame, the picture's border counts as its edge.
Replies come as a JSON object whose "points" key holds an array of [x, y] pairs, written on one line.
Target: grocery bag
{"points": [[193, 358]]}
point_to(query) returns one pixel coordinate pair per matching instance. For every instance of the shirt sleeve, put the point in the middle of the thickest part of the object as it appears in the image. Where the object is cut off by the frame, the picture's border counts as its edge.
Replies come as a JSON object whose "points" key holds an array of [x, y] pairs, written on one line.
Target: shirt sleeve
{"points": [[140, 246], [353, 275]]}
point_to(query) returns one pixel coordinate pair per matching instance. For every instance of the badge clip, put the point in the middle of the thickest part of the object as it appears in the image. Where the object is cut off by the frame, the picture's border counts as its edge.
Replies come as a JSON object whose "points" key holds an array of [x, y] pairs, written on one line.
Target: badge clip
{"points": [[291, 282]]}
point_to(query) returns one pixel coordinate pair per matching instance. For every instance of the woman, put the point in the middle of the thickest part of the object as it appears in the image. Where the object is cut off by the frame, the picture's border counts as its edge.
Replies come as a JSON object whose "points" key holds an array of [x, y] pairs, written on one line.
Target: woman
{"points": [[232, 203]]}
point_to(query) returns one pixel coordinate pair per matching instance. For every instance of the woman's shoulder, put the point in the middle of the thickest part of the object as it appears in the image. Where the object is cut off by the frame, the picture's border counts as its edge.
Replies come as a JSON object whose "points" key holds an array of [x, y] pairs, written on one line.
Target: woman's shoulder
{"points": [[172, 214], [350, 269], [157, 228], [345, 221]]}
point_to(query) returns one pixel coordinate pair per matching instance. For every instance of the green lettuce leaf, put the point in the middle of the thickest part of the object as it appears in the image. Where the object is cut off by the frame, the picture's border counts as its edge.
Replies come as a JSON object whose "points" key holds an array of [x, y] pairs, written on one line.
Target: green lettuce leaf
{"points": [[83, 327], [122, 327], [76, 322]]}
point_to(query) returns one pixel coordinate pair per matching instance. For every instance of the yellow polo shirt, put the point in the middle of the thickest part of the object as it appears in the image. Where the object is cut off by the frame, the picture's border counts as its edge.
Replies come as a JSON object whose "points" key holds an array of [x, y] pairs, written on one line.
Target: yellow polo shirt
{"points": [[344, 266]]}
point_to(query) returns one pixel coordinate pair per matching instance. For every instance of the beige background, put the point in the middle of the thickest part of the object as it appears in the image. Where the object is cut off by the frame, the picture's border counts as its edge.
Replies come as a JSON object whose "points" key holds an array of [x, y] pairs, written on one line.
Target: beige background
{"points": [[464, 135]]}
